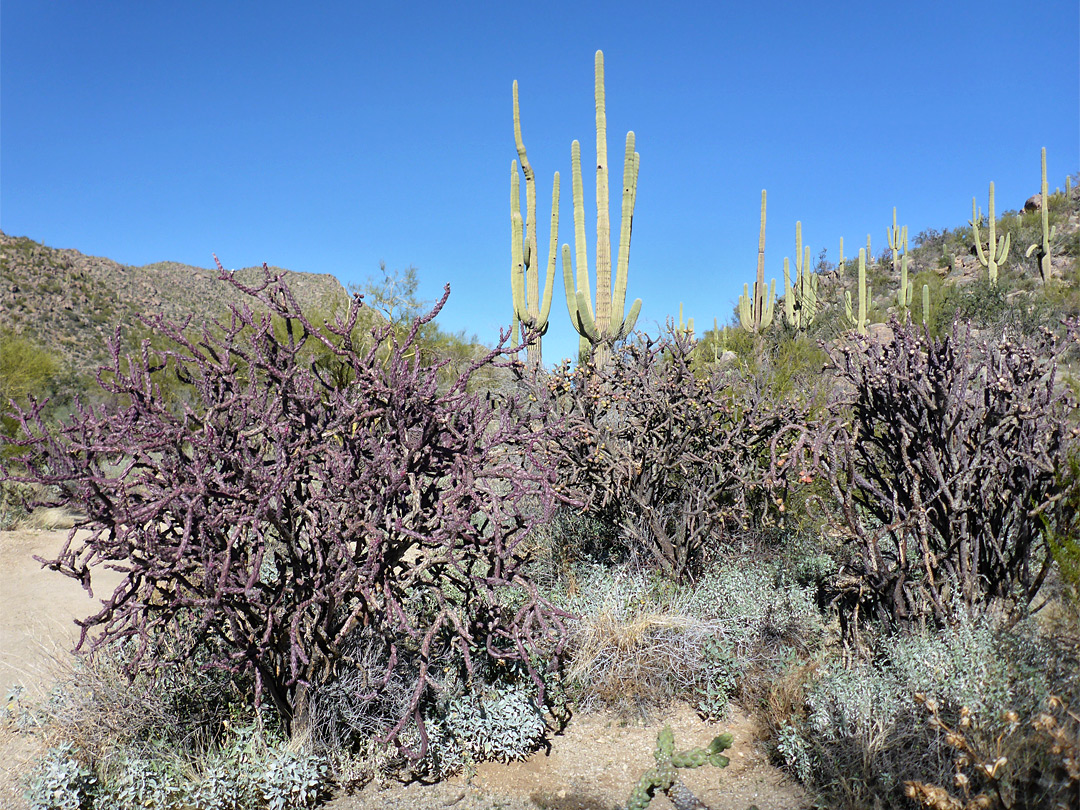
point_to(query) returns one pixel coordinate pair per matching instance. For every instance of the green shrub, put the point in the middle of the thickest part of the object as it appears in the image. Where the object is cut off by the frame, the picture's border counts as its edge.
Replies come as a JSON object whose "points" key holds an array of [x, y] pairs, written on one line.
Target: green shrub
{"points": [[639, 642], [863, 733]]}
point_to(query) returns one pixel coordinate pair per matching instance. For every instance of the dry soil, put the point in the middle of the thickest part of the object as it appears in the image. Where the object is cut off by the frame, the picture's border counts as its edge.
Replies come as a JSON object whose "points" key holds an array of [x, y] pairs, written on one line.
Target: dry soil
{"points": [[592, 765]]}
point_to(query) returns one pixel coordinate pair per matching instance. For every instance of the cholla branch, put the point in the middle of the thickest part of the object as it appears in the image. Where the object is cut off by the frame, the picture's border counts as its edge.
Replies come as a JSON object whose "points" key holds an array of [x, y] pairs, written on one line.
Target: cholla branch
{"points": [[292, 504]]}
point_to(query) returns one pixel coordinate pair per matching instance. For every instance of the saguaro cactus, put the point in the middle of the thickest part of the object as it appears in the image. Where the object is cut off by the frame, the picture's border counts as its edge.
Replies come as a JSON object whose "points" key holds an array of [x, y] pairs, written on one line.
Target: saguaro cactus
{"points": [[840, 264], [800, 301], [1042, 250], [925, 304], [600, 331], [756, 312], [862, 321], [898, 241], [687, 327], [997, 250], [530, 310]]}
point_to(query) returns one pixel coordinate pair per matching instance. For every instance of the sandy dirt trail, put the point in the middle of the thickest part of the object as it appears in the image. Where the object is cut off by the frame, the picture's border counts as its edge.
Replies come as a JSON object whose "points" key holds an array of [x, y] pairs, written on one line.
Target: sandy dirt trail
{"points": [[37, 612]]}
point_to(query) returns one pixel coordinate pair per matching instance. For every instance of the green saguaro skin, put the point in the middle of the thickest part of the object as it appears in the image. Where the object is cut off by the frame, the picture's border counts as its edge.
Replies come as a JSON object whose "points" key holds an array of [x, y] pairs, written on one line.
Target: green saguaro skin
{"points": [[997, 250], [1042, 250], [601, 328], [530, 310], [756, 312]]}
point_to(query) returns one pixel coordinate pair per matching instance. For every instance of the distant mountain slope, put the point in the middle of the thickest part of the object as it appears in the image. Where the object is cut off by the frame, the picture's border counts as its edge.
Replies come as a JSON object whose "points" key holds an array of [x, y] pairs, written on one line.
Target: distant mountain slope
{"points": [[69, 303]]}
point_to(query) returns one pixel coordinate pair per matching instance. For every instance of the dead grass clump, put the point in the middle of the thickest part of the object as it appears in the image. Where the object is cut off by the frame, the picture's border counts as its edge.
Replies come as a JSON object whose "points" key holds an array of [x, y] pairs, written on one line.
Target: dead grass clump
{"points": [[637, 663]]}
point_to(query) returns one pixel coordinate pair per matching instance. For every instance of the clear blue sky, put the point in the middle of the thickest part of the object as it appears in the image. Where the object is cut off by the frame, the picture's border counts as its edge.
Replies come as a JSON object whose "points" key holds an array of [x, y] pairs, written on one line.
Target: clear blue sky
{"points": [[328, 136]]}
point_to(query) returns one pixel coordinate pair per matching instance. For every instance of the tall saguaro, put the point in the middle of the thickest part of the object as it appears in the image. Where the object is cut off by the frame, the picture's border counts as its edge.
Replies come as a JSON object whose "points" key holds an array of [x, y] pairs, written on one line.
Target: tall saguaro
{"points": [[530, 310], [602, 328], [756, 311]]}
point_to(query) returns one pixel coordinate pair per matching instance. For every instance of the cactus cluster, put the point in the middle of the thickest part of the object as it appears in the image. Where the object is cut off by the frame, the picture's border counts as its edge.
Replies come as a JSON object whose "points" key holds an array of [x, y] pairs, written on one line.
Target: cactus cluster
{"points": [[599, 330], [664, 777], [756, 312], [687, 327], [898, 243]]}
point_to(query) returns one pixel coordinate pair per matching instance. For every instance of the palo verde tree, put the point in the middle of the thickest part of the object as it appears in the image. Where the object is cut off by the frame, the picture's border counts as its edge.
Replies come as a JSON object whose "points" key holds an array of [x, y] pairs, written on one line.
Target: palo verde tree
{"points": [[281, 513]]}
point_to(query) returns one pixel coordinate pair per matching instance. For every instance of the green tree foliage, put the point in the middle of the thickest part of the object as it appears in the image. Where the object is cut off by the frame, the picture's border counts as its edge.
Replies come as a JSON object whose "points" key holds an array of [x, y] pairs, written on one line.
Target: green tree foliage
{"points": [[26, 371]]}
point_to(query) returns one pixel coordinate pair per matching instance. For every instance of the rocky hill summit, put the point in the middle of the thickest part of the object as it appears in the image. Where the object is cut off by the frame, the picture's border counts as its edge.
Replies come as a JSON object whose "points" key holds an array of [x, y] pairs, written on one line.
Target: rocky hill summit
{"points": [[70, 303]]}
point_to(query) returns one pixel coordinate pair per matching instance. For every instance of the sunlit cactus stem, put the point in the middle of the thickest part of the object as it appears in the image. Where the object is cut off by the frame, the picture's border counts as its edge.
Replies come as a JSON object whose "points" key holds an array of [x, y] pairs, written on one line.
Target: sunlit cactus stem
{"points": [[861, 321], [925, 304], [600, 330], [840, 264], [898, 241], [530, 310], [1042, 249], [800, 299], [756, 312], [686, 328], [997, 250], [664, 778]]}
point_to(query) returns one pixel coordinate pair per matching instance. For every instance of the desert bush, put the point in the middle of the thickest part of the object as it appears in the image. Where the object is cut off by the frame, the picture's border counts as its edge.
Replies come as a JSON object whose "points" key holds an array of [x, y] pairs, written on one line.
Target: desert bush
{"points": [[639, 641], [284, 513], [862, 733], [943, 456], [988, 771], [678, 459], [26, 370], [251, 772], [61, 781]]}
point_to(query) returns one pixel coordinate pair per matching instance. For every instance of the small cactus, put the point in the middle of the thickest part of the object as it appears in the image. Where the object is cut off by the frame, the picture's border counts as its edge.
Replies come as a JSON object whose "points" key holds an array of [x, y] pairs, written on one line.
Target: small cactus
{"points": [[664, 777]]}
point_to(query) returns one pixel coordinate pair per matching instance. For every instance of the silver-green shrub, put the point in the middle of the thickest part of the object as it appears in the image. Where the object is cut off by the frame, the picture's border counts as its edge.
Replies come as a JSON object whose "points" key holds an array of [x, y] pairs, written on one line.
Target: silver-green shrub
{"points": [[864, 734], [61, 781], [504, 724], [639, 641]]}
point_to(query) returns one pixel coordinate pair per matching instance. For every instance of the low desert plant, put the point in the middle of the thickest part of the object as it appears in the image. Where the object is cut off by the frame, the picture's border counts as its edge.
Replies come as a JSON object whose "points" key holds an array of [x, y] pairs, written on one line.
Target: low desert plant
{"points": [[664, 777], [639, 641], [1021, 764], [283, 513], [861, 733]]}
